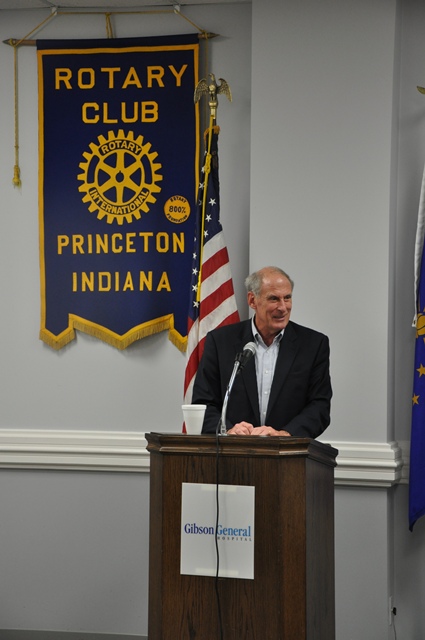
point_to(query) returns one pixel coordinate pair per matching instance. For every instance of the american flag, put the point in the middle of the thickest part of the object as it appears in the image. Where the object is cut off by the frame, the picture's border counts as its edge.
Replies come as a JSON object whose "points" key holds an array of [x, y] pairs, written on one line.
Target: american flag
{"points": [[213, 301]]}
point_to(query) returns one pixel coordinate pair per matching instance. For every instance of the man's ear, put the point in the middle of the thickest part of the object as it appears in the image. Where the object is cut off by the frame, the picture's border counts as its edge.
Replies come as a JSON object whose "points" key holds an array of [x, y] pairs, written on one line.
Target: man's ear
{"points": [[251, 300]]}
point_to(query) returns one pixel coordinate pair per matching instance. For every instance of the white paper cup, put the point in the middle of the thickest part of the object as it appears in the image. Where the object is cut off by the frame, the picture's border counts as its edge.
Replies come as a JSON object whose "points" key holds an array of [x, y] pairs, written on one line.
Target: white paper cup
{"points": [[193, 415]]}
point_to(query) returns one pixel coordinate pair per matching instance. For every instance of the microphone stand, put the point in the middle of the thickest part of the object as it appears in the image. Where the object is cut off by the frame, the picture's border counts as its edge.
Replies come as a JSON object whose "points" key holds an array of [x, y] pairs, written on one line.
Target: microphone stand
{"points": [[223, 428]]}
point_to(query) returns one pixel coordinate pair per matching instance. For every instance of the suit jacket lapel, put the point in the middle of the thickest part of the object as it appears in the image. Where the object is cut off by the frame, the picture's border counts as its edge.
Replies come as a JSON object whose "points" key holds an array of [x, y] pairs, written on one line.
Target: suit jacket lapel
{"points": [[248, 374], [287, 352]]}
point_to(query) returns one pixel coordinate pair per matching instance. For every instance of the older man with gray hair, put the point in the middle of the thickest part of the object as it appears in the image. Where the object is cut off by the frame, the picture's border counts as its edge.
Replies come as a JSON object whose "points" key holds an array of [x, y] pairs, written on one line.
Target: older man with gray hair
{"points": [[285, 389]]}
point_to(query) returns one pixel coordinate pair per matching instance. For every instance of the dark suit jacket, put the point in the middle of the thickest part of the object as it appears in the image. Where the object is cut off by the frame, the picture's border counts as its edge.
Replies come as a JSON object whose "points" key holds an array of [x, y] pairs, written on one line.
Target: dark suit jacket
{"points": [[301, 390]]}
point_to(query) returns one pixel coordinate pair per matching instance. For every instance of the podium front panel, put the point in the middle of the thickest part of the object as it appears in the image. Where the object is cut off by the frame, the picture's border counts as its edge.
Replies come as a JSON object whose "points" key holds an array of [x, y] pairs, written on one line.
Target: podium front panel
{"points": [[292, 595]]}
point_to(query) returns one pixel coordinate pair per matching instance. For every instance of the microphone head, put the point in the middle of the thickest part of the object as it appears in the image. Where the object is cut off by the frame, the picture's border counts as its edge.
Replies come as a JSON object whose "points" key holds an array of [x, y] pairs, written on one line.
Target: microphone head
{"points": [[250, 346], [247, 353]]}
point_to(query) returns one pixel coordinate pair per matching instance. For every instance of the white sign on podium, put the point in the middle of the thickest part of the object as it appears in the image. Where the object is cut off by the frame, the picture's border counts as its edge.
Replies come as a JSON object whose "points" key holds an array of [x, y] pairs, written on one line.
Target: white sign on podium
{"points": [[235, 530]]}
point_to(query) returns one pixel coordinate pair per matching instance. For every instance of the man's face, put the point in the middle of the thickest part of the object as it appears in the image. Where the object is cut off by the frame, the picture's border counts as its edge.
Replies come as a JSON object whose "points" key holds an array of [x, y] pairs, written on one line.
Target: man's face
{"points": [[272, 306]]}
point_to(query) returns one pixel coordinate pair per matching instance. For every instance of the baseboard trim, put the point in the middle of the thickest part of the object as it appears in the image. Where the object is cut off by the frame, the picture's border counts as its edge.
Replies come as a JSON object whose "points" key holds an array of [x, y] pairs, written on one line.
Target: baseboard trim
{"points": [[369, 464], [23, 634]]}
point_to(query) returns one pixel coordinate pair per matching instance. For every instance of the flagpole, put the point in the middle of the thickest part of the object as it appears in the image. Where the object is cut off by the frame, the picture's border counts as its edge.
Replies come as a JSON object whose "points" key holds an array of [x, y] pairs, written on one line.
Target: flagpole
{"points": [[212, 89], [207, 165]]}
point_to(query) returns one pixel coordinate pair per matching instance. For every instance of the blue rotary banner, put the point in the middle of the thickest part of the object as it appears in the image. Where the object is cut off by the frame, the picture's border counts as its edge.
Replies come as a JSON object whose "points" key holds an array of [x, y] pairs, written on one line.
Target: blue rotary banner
{"points": [[118, 175]]}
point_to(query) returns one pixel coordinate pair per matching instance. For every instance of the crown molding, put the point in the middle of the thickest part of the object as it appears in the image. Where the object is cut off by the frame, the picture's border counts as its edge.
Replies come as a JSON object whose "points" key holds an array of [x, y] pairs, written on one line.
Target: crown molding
{"points": [[74, 450], [368, 464]]}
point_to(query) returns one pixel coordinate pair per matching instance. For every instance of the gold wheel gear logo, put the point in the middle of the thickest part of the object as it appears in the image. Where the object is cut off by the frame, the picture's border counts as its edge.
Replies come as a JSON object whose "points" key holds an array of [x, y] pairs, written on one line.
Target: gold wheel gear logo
{"points": [[120, 176]]}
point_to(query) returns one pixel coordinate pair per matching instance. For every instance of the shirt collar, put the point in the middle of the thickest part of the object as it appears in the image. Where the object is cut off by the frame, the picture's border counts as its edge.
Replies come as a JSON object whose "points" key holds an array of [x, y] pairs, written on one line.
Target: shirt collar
{"points": [[257, 336]]}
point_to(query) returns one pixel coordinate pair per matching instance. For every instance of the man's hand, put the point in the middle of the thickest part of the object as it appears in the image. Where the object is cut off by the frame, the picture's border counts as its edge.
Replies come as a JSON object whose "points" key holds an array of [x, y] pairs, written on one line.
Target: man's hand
{"points": [[241, 429], [246, 429], [268, 431]]}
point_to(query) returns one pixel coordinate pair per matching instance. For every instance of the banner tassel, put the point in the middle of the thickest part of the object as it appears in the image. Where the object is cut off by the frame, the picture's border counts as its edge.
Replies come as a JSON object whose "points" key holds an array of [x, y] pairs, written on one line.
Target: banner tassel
{"points": [[17, 176]]}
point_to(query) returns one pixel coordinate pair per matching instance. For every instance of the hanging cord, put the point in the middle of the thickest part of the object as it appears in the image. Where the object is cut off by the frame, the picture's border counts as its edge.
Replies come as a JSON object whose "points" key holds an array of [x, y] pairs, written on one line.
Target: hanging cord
{"points": [[56, 12], [16, 169], [16, 43], [109, 31], [177, 11]]}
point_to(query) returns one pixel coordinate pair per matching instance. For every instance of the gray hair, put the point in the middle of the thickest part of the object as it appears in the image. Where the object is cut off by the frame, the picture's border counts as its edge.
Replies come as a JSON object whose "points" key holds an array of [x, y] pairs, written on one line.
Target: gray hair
{"points": [[254, 281]]}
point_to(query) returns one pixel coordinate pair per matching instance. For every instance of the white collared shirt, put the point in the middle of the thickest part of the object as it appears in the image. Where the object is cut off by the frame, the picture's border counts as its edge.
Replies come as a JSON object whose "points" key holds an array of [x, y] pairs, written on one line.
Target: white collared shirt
{"points": [[265, 363]]}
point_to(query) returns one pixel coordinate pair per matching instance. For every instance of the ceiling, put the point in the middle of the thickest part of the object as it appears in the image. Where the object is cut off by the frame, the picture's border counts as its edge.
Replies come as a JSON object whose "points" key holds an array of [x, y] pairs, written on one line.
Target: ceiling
{"points": [[103, 4]]}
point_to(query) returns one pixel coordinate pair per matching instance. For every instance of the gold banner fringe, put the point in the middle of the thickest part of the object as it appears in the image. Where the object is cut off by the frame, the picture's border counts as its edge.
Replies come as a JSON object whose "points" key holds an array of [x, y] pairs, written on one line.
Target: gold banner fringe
{"points": [[178, 340], [55, 343], [113, 339]]}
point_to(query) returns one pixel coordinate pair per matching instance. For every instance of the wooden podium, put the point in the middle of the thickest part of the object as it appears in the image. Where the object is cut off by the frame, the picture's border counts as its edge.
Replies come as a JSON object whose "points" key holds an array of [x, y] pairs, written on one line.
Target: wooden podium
{"points": [[292, 595]]}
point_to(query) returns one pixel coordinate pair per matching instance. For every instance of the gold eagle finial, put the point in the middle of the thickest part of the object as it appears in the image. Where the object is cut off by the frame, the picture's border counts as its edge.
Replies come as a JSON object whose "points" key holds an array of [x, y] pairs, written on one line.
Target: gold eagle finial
{"points": [[212, 89]]}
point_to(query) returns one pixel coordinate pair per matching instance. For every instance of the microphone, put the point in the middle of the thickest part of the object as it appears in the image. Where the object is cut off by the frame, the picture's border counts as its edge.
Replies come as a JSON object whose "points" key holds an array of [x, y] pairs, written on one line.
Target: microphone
{"points": [[240, 361], [245, 355]]}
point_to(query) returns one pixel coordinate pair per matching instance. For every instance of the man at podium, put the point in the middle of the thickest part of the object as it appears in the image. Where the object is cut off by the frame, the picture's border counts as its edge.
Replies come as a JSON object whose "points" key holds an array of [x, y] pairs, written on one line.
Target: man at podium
{"points": [[285, 389]]}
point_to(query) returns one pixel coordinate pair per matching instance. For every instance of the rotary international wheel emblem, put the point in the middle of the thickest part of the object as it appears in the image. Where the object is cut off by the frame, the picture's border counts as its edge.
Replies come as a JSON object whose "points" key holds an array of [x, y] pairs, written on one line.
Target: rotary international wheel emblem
{"points": [[120, 176]]}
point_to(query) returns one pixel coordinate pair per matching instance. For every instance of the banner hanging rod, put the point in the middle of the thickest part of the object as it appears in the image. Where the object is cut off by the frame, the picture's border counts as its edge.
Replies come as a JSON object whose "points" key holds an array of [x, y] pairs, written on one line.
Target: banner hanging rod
{"points": [[32, 43]]}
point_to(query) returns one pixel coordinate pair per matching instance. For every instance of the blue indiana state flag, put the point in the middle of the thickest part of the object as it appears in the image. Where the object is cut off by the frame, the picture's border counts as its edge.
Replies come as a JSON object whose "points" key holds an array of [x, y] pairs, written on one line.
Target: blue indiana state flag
{"points": [[417, 441]]}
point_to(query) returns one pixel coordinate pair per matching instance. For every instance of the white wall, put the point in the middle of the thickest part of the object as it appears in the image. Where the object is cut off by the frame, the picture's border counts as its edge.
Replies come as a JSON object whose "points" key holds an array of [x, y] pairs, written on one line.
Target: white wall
{"points": [[337, 142], [74, 551], [321, 183]]}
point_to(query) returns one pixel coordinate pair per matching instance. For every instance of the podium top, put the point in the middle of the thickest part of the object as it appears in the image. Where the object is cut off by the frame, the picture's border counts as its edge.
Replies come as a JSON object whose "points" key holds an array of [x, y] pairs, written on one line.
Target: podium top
{"points": [[263, 446]]}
